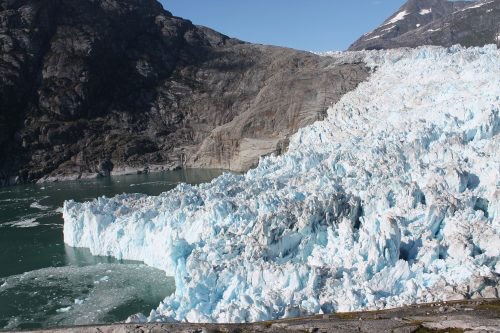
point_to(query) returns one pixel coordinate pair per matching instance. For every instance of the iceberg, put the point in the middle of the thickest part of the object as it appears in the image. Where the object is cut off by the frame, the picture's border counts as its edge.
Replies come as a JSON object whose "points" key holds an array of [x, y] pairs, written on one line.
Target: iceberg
{"points": [[393, 199]]}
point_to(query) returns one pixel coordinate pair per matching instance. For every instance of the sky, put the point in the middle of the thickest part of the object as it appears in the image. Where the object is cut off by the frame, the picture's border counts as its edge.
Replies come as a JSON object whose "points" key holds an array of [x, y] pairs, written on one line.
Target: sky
{"points": [[311, 25]]}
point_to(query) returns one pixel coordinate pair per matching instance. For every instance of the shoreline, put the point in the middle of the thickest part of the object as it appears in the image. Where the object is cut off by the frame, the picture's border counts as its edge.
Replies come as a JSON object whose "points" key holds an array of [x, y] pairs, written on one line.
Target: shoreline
{"points": [[118, 171], [122, 171], [479, 315]]}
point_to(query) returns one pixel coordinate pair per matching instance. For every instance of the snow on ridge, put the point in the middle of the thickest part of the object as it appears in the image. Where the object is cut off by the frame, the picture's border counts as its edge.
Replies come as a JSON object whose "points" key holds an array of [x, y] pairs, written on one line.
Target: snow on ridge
{"points": [[477, 5], [392, 200], [425, 11], [400, 16], [374, 37], [383, 33], [387, 29]]}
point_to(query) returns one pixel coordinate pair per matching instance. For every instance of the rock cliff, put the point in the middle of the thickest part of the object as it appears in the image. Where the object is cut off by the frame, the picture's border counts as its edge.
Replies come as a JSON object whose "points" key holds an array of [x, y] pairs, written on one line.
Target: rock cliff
{"points": [[91, 86]]}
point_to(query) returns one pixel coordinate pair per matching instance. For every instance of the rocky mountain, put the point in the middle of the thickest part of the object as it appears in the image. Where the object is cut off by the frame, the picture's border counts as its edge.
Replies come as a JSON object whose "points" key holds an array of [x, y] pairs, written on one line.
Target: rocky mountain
{"points": [[91, 86], [436, 22]]}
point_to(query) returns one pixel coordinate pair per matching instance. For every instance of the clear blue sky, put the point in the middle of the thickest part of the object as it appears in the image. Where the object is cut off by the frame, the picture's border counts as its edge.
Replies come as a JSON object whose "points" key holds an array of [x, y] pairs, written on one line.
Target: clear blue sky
{"points": [[312, 25]]}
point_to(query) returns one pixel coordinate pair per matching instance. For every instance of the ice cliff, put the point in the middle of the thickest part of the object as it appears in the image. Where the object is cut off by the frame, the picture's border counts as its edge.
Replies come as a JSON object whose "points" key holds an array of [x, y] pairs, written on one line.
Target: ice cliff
{"points": [[393, 199]]}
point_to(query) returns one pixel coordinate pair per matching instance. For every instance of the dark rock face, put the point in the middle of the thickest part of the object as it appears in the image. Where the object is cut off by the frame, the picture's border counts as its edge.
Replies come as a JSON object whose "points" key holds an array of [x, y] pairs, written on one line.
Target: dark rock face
{"points": [[436, 22], [88, 86]]}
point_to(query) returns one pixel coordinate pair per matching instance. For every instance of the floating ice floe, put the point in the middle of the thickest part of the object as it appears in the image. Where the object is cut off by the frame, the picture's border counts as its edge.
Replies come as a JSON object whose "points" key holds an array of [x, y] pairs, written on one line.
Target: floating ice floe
{"points": [[79, 301], [26, 223], [58, 296], [61, 310], [392, 200], [37, 205]]}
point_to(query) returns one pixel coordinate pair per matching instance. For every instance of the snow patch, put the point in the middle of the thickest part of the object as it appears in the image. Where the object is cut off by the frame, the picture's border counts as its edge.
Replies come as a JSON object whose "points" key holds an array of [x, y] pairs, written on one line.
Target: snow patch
{"points": [[391, 200], [374, 37], [388, 29], [479, 4], [425, 11], [399, 16]]}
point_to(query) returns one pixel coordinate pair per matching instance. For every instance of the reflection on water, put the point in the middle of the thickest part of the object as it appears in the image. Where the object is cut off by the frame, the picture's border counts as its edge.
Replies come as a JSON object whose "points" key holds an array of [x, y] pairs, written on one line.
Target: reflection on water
{"points": [[82, 257], [31, 239]]}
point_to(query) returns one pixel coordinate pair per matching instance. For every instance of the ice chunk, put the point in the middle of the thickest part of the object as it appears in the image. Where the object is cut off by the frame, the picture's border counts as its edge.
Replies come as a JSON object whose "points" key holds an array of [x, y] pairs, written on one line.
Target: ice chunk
{"points": [[37, 205], [64, 309], [26, 223], [137, 318], [377, 206]]}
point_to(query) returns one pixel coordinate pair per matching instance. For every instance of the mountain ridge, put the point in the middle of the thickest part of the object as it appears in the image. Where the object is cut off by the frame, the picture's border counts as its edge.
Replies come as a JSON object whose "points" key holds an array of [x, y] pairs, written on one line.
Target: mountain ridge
{"points": [[98, 86], [436, 22]]}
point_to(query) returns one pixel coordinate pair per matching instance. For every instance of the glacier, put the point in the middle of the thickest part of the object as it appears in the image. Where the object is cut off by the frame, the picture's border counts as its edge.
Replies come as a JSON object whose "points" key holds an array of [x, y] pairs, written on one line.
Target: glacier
{"points": [[392, 200]]}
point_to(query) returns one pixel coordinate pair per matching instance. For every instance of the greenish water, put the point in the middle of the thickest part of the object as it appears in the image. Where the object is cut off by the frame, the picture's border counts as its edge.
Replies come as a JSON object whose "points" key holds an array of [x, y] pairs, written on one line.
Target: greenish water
{"points": [[44, 283]]}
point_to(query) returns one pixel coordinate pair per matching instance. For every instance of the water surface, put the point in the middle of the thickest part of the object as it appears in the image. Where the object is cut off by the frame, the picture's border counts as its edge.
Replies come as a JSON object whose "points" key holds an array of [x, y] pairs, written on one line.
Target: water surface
{"points": [[45, 283]]}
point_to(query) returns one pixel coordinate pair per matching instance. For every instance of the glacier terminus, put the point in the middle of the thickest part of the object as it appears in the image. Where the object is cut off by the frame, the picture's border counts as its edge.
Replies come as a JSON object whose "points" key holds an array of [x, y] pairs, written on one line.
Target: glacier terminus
{"points": [[393, 199]]}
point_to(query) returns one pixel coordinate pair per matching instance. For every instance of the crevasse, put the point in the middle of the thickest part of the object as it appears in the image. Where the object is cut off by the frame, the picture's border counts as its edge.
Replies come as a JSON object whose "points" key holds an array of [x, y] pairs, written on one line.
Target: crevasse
{"points": [[392, 200]]}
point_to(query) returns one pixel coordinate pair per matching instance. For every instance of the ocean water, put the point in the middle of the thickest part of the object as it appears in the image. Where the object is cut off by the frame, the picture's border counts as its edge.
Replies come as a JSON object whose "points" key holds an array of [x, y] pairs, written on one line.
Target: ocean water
{"points": [[45, 283]]}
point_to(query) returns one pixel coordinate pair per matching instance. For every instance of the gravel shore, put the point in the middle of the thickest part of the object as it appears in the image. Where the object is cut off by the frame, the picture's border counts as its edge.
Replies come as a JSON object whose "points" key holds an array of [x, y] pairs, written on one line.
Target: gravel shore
{"points": [[458, 316]]}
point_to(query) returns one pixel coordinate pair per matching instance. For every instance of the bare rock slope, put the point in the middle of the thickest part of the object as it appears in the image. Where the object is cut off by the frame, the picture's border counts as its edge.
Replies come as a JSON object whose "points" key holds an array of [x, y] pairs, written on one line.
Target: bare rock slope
{"points": [[90, 86], [436, 22]]}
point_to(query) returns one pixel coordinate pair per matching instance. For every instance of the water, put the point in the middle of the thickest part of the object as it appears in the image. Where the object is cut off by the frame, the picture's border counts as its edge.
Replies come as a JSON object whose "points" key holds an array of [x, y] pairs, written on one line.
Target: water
{"points": [[44, 283]]}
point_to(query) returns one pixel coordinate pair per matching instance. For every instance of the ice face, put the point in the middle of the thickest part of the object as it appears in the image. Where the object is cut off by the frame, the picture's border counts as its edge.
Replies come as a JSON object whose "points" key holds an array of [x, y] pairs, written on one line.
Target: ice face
{"points": [[392, 200]]}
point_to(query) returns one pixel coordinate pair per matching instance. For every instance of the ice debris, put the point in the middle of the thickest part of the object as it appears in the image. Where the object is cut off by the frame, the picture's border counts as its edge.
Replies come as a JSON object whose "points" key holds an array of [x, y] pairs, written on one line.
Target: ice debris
{"points": [[26, 223], [136, 318], [392, 200], [61, 296], [66, 309], [37, 205]]}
